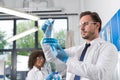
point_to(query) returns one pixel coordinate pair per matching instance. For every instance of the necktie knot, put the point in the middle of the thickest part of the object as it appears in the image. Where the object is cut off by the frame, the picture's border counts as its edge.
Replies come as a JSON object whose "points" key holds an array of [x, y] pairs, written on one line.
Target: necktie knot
{"points": [[87, 45]]}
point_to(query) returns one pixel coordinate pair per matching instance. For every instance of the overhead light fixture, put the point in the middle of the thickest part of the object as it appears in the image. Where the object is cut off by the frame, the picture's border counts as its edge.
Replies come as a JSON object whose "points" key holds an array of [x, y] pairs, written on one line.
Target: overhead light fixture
{"points": [[18, 13], [23, 34]]}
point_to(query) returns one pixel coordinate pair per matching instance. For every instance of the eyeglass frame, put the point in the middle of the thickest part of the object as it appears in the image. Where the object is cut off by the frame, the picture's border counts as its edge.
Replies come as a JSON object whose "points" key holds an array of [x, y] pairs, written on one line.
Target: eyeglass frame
{"points": [[82, 24], [41, 58]]}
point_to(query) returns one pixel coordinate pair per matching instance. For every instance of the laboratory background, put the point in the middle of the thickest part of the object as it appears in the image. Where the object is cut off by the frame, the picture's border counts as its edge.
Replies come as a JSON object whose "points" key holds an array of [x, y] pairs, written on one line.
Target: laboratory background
{"points": [[20, 34]]}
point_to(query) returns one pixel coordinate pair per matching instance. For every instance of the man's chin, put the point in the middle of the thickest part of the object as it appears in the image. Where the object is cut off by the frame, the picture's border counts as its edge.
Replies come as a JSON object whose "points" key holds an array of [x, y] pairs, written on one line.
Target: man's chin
{"points": [[84, 37]]}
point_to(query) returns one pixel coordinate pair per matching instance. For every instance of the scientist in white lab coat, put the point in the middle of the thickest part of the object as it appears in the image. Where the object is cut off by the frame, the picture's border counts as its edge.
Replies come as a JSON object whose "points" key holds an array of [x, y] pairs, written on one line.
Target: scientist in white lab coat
{"points": [[38, 66], [100, 58]]}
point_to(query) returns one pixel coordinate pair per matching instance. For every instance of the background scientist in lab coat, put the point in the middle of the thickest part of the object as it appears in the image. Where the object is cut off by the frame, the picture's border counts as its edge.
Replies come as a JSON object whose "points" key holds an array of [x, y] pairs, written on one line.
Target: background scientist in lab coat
{"points": [[37, 65], [100, 58]]}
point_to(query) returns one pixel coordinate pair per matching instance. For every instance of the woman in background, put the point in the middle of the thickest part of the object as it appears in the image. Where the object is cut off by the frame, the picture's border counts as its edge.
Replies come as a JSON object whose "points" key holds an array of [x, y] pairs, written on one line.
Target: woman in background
{"points": [[35, 64]]}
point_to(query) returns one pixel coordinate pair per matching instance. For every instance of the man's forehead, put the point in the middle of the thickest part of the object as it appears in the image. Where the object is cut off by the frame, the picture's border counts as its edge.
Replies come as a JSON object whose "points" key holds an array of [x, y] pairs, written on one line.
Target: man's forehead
{"points": [[85, 18]]}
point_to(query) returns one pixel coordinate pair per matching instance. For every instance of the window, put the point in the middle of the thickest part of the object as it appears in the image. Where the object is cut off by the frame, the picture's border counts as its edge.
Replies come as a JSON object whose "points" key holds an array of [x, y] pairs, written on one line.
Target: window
{"points": [[59, 30], [20, 50], [6, 56], [22, 65], [6, 31], [27, 41]]}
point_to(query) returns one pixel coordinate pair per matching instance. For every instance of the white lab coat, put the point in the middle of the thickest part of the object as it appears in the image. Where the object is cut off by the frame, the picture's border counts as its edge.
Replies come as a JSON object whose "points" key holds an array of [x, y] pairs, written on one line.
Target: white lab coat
{"points": [[99, 61], [36, 74], [116, 74]]}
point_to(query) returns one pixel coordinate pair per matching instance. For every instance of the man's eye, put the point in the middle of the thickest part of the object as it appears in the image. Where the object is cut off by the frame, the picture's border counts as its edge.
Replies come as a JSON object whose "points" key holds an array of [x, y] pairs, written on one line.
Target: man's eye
{"points": [[85, 23]]}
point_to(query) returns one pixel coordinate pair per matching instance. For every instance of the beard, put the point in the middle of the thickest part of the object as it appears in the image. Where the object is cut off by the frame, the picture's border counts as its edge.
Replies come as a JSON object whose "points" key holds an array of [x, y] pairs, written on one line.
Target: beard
{"points": [[87, 35]]}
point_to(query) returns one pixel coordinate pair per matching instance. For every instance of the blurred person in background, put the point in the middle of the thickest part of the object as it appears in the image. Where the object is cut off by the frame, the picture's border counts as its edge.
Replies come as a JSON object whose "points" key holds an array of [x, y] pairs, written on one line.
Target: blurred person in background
{"points": [[35, 64]]}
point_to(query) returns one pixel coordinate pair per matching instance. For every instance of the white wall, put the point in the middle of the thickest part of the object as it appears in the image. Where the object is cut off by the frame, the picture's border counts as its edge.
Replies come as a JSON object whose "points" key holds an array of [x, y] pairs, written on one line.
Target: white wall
{"points": [[105, 8]]}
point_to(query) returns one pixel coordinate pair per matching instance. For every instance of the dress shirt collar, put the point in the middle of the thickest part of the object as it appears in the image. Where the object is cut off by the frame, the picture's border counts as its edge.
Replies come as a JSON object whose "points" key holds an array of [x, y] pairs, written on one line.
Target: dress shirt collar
{"points": [[95, 40]]}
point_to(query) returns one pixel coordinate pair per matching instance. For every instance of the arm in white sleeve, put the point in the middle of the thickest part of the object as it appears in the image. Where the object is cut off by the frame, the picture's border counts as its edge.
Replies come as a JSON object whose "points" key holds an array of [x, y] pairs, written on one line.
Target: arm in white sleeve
{"points": [[101, 70], [60, 66]]}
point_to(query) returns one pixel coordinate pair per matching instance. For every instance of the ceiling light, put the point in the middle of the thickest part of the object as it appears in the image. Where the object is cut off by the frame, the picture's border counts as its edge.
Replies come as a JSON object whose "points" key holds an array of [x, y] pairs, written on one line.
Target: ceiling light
{"points": [[18, 13], [23, 34]]}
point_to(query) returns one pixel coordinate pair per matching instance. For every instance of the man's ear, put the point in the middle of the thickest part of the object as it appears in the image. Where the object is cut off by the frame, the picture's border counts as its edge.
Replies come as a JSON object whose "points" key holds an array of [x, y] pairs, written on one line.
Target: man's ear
{"points": [[98, 25]]}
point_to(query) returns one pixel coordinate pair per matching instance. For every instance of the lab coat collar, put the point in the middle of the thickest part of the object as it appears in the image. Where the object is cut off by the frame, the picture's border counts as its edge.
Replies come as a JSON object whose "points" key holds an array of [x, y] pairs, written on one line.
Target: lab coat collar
{"points": [[97, 40], [35, 68]]}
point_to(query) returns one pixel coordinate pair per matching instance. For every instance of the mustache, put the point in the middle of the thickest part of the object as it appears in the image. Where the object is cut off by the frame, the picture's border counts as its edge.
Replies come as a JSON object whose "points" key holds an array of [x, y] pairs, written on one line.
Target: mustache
{"points": [[83, 31]]}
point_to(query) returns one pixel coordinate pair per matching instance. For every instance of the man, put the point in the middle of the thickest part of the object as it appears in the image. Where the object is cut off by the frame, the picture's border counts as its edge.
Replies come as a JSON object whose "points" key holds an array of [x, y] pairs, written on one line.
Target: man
{"points": [[100, 59]]}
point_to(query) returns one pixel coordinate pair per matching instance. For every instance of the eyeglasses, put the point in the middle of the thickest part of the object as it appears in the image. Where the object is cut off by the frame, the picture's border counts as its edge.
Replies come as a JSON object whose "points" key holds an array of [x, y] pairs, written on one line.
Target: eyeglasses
{"points": [[41, 58], [86, 23]]}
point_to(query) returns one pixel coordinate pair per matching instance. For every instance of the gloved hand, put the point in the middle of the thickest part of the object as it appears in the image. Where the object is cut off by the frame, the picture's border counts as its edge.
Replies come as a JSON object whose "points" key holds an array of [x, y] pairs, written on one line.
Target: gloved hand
{"points": [[60, 53], [56, 49], [47, 27], [50, 76]]}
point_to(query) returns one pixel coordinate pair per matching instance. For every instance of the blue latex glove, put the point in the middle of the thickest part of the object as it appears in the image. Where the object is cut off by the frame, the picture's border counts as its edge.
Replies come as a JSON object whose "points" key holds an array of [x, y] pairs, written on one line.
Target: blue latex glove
{"points": [[47, 27], [50, 76], [60, 53], [56, 49]]}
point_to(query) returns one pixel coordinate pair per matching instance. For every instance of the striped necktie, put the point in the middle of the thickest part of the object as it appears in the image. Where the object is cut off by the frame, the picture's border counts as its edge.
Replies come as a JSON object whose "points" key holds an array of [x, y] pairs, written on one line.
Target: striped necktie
{"points": [[81, 58]]}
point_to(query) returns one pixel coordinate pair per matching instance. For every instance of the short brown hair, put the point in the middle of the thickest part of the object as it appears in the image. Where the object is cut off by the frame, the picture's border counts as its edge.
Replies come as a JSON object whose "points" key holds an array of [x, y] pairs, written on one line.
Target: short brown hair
{"points": [[93, 15]]}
